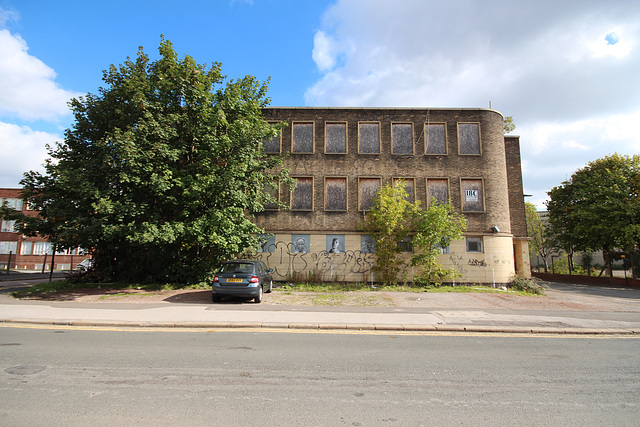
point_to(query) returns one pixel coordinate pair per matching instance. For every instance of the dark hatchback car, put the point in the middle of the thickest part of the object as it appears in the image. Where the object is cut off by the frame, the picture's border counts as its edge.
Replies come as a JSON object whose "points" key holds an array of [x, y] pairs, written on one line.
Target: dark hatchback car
{"points": [[244, 278]]}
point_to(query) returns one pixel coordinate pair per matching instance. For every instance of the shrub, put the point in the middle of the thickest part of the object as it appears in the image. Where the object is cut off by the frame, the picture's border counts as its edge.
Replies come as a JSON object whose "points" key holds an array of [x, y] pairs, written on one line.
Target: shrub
{"points": [[529, 285]]}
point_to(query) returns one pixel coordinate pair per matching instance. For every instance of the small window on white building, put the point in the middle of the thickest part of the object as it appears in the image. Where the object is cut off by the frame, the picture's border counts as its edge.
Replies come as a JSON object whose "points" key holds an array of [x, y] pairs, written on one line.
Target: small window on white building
{"points": [[474, 244]]}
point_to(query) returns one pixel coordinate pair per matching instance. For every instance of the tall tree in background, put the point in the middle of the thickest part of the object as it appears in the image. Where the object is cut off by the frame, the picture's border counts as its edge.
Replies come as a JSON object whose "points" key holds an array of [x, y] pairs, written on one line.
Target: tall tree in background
{"points": [[598, 208], [508, 125], [161, 171], [538, 232]]}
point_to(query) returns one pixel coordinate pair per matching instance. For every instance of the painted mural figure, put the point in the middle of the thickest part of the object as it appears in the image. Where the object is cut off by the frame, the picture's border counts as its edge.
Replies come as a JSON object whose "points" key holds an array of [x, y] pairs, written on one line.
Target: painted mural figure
{"points": [[300, 245], [335, 246]]}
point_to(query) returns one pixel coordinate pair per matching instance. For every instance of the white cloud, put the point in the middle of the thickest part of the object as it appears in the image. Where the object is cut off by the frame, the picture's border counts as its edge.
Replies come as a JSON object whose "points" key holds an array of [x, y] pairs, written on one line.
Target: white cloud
{"points": [[27, 85], [323, 54], [23, 149], [556, 67]]}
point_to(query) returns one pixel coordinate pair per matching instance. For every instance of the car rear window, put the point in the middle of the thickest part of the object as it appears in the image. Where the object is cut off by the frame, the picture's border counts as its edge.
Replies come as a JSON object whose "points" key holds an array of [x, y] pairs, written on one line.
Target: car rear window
{"points": [[237, 267]]}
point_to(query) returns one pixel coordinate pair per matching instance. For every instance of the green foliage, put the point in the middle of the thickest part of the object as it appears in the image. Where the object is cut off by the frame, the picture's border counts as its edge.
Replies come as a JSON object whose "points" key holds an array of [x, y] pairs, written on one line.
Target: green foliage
{"points": [[393, 218], [161, 172], [537, 230], [388, 223], [509, 125], [434, 229], [599, 207], [528, 285]]}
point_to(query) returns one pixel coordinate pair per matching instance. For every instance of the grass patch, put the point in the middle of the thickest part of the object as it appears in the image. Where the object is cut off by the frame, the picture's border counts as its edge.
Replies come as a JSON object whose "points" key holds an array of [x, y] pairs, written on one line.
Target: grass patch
{"points": [[290, 289]]}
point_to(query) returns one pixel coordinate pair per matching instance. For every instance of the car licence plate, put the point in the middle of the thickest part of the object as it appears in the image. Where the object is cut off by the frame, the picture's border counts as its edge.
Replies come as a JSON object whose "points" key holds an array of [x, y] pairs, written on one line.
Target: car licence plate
{"points": [[234, 280]]}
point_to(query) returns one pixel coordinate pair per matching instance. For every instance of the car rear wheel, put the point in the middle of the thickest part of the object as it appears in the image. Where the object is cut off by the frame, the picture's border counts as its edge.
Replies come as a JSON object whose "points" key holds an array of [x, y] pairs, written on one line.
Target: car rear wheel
{"points": [[270, 288], [216, 298], [258, 298]]}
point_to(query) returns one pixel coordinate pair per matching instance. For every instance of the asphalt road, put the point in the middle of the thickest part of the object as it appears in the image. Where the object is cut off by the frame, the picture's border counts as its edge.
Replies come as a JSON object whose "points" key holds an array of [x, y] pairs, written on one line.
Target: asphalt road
{"points": [[72, 376]]}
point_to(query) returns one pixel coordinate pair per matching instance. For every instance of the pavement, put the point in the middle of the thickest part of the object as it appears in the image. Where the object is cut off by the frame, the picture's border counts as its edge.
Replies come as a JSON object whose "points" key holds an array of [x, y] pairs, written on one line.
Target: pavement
{"points": [[624, 319]]}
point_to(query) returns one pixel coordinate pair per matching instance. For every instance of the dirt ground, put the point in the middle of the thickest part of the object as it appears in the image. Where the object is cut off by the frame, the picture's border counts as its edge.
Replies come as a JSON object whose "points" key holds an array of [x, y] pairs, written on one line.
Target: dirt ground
{"points": [[554, 300]]}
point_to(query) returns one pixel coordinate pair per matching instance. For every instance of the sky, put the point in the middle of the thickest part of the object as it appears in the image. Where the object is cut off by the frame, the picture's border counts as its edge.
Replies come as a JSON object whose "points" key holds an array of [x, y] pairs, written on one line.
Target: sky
{"points": [[568, 71]]}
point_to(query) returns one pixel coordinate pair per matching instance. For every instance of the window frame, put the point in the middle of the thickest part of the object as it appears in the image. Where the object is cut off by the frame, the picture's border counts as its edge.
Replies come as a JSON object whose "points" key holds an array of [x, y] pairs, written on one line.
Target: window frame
{"points": [[406, 178], [278, 200], [279, 140], [479, 241], [363, 178], [413, 139], [446, 139], [313, 136], [346, 136], [346, 195], [379, 138], [463, 191], [437, 178], [312, 194], [460, 153]]}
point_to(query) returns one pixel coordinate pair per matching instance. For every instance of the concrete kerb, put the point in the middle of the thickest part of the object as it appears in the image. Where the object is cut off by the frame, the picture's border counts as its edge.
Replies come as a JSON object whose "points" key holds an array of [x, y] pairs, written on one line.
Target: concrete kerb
{"points": [[329, 327]]}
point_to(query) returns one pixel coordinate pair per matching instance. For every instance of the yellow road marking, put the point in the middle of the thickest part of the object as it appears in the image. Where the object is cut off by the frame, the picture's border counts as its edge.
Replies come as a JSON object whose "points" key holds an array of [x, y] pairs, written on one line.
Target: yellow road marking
{"points": [[317, 331]]}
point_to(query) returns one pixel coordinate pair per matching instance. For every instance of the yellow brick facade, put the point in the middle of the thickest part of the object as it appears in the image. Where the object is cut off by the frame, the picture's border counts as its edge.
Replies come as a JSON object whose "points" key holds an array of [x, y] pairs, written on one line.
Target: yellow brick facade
{"points": [[340, 155]]}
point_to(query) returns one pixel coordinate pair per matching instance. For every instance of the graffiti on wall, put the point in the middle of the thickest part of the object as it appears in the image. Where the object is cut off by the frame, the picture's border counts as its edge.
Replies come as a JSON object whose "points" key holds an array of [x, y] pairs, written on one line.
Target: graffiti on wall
{"points": [[287, 262]]}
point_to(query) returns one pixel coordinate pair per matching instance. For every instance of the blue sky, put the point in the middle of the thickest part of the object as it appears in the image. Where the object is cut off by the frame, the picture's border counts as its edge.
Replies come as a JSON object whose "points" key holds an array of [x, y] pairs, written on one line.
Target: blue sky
{"points": [[566, 71]]}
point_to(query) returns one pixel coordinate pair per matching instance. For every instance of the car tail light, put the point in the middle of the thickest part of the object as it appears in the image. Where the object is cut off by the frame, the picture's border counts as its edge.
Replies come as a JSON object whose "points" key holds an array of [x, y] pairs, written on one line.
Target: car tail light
{"points": [[215, 279], [254, 279]]}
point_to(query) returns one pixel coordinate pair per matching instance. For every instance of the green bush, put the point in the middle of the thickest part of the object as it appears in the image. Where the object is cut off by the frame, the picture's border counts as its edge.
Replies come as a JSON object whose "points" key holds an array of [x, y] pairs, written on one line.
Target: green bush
{"points": [[528, 285]]}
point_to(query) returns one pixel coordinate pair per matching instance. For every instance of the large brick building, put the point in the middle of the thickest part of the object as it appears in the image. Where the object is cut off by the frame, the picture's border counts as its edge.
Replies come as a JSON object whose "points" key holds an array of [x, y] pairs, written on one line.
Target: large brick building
{"points": [[341, 156], [30, 253]]}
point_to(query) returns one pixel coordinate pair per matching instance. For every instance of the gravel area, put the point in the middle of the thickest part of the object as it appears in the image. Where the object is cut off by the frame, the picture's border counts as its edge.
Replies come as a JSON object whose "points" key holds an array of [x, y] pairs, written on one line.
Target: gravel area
{"points": [[561, 299]]}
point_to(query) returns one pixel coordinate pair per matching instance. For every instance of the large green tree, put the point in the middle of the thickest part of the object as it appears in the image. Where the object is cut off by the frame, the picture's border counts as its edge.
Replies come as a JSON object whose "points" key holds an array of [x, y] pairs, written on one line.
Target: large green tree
{"points": [[538, 231], [161, 172], [598, 208]]}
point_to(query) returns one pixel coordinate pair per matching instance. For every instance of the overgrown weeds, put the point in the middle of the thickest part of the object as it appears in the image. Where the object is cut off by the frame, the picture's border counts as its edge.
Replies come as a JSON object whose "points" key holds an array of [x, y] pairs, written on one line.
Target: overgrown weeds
{"points": [[528, 285]]}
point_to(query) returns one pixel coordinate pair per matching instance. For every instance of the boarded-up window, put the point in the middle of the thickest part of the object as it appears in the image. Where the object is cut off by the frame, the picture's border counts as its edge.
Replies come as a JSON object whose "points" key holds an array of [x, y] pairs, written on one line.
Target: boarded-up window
{"points": [[409, 187], [335, 138], [272, 145], [438, 189], [335, 194], [436, 138], [367, 190], [402, 137], [302, 196], [369, 138], [469, 138], [472, 197], [302, 139], [273, 190]]}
